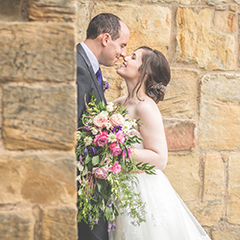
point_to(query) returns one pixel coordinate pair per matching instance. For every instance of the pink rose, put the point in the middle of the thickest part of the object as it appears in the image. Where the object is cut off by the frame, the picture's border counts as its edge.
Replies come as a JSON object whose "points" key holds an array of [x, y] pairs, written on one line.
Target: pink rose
{"points": [[120, 136], [116, 168], [116, 119], [100, 120], [100, 173], [116, 150], [105, 161], [101, 139]]}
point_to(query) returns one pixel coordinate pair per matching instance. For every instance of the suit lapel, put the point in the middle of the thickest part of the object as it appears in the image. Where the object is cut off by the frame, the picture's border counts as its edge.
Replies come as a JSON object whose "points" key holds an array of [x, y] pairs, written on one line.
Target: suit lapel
{"points": [[94, 78]]}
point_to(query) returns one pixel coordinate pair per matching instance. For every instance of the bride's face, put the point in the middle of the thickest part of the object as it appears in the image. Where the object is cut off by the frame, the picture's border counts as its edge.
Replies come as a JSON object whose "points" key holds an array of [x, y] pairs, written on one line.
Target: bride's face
{"points": [[131, 65]]}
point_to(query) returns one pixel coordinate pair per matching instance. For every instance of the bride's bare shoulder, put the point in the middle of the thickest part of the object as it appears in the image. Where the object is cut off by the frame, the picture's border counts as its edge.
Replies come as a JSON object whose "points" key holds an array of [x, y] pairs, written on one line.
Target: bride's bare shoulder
{"points": [[147, 107], [120, 100]]}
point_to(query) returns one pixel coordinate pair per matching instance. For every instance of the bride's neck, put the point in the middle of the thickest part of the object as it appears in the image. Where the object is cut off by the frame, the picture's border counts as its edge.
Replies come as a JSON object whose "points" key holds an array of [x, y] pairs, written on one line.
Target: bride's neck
{"points": [[133, 94]]}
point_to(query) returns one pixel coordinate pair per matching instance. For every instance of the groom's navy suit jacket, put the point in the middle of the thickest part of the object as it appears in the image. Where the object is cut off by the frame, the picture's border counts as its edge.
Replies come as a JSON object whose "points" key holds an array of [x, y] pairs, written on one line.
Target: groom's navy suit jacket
{"points": [[87, 83]]}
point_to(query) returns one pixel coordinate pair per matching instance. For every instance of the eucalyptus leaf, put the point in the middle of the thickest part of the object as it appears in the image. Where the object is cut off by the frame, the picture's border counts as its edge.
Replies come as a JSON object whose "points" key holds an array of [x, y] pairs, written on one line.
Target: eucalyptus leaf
{"points": [[95, 160]]}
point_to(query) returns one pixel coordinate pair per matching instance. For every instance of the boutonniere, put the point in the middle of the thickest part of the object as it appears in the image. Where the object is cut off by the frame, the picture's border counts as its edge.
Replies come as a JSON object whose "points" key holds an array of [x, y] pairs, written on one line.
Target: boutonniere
{"points": [[105, 84]]}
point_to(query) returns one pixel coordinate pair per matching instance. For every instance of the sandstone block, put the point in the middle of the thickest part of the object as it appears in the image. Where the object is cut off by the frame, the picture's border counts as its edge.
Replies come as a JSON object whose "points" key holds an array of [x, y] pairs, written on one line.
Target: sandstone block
{"points": [[233, 211], [225, 235], [14, 10], [51, 10], [219, 112], [148, 24], [174, 1], [0, 113], [233, 7], [37, 52], [39, 117], [179, 135], [225, 21], [198, 43], [183, 173], [181, 95], [59, 223], [210, 211], [82, 20], [37, 178], [17, 224], [216, 2]]}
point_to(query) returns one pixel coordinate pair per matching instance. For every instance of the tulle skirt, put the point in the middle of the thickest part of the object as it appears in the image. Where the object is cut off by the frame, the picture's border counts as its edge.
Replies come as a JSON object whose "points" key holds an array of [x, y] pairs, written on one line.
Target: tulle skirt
{"points": [[167, 217]]}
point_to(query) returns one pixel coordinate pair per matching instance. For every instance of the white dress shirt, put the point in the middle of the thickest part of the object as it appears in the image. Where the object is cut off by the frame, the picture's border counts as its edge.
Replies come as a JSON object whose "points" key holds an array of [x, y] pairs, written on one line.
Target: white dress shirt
{"points": [[91, 57]]}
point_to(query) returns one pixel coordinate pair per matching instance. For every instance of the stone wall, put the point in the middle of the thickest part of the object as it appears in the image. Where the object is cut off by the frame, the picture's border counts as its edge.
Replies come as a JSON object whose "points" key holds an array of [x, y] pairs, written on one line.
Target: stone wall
{"points": [[201, 110], [37, 120]]}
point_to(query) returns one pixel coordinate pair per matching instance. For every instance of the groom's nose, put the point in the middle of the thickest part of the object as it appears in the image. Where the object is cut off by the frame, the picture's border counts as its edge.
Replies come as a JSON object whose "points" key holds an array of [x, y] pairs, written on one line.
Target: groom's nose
{"points": [[123, 52]]}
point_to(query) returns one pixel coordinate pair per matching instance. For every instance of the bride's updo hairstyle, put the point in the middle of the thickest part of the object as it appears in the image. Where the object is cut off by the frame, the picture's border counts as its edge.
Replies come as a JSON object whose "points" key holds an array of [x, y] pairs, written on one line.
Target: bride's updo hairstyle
{"points": [[154, 73]]}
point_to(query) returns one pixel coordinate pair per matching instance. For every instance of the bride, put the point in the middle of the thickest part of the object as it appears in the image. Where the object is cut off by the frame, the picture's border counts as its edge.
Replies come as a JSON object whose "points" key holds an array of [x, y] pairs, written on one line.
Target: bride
{"points": [[147, 74]]}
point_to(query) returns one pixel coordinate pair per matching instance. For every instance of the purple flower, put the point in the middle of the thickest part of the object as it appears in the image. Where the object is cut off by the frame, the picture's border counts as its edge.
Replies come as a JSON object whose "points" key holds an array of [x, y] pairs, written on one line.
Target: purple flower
{"points": [[85, 151], [96, 221], [94, 150], [88, 127], [106, 86], [109, 228], [113, 226], [78, 148], [117, 129], [80, 159]]}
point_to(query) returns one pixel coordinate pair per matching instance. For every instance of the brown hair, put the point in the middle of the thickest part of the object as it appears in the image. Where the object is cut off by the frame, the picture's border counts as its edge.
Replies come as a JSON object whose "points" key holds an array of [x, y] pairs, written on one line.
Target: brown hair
{"points": [[155, 71], [104, 23]]}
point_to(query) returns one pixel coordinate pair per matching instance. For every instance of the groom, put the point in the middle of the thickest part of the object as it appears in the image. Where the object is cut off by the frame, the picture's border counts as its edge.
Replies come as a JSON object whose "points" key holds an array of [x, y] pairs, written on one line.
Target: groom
{"points": [[107, 37]]}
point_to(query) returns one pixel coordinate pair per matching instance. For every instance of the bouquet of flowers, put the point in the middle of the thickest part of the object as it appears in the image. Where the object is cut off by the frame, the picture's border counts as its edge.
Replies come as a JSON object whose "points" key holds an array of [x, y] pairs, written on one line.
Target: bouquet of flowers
{"points": [[105, 165]]}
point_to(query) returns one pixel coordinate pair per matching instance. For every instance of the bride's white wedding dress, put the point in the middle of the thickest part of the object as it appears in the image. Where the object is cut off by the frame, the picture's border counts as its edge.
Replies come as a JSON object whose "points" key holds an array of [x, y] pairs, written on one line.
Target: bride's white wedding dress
{"points": [[167, 217]]}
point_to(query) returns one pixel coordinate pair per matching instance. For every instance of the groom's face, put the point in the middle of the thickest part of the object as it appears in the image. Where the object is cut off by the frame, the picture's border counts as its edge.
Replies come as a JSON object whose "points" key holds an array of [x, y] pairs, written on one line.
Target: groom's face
{"points": [[116, 48]]}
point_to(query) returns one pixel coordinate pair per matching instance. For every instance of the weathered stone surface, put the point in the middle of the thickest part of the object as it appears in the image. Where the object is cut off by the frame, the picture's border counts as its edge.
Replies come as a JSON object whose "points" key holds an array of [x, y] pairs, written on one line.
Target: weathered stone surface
{"points": [[197, 42], [233, 7], [59, 223], [210, 211], [39, 117], [179, 135], [148, 24], [174, 1], [216, 2], [225, 21], [14, 10], [225, 235], [17, 224], [0, 113], [49, 10], [182, 172], [219, 112], [82, 20], [181, 96], [233, 211], [37, 52], [38, 178]]}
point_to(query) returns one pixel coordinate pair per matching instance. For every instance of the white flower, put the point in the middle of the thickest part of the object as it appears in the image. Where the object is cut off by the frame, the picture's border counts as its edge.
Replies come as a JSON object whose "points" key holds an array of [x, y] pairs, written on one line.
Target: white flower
{"points": [[94, 131], [79, 166], [87, 141], [89, 121], [78, 178], [79, 192], [104, 113], [126, 127], [108, 125], [134, 122], [79, 135], [110, 107], [112, 137]]}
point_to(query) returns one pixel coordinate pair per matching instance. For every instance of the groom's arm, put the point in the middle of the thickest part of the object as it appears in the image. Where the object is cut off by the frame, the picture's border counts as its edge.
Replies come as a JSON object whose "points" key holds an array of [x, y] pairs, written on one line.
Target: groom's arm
{"points": [[83, 88]]}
